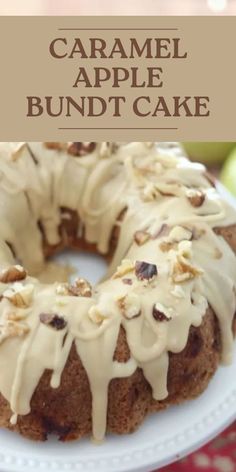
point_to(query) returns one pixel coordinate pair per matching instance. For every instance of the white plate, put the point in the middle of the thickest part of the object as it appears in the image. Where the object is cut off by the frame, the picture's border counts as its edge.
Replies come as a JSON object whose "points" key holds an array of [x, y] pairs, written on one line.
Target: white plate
{"points": [[163, 438]]}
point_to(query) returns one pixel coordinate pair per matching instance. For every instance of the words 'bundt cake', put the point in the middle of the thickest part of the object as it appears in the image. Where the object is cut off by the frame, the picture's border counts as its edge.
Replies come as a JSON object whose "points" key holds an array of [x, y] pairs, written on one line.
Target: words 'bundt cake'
{"points": [[77, 360]]}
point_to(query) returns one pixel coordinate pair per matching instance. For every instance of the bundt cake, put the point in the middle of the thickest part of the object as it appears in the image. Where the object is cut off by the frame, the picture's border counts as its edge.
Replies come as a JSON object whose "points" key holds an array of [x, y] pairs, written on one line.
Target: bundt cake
{"points": [[78, 360]]}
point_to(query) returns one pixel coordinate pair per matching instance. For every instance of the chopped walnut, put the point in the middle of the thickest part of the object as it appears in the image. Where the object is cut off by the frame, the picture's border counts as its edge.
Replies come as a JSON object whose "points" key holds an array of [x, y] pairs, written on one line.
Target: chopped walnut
{"points": [[20, 295], [53, 320], [165, 246], [80, 288], [217, 253], [195, 197], [127, 281], [125, 267], [81, 149], [161, 313], [130, 306], [176, 235], [182, 270], [145, 270], [12, 274], [16, 316], [180, 233], [56, 146], [141, 237], [12, 328]]}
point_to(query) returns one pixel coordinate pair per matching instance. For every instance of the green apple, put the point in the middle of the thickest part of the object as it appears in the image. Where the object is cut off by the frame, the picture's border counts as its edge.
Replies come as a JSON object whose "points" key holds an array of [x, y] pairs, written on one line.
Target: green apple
{"points": [[228, 173], [208, 153]]}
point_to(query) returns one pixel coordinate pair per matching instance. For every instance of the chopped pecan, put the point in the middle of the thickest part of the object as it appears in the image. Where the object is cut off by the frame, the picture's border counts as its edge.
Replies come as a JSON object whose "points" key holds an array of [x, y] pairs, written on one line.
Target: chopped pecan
{"points": [[11, 329], [56, 146], [125, 267], [80, 149], [16, 316], [80, 288], [195, 197], [161, 313], [145, 270], [182, 270], [127, 281], [20, 295], [12, 274], [130, 306], [176, 235], [53, 320], [141, 237], [217, 253], [165, 246], [181, 233]]}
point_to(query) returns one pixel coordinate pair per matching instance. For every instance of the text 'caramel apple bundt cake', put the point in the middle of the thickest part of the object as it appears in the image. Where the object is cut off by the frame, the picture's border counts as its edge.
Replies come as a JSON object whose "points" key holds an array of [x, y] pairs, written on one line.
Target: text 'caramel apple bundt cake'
{"points": [[78, 360]]}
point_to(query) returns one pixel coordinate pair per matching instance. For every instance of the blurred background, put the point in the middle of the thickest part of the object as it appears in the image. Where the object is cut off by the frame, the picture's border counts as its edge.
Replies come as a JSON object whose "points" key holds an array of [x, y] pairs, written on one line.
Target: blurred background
{"points": [[121, 7], [220, 159]]}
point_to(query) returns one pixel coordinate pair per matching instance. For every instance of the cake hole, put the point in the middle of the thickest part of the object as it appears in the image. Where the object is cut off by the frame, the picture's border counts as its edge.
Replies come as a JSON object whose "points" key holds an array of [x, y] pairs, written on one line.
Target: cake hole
{"points": [[83, 264]]}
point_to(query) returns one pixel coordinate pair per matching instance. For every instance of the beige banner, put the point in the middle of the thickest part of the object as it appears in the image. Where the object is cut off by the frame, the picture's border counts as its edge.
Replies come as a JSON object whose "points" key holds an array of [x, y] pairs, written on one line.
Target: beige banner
{"points": [[117, 78]]}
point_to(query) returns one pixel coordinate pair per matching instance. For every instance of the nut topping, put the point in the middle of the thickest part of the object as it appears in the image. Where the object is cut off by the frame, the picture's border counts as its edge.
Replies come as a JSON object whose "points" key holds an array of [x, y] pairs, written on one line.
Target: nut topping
{"points": [[176, 235], [11, 329], [145, 270], [165, 246], [53, 320], [127, 281], [161, 313], [125, 267], [16, 316], [217, 253], [182, 270], [56, 146], [180, 233], [130, 306], [195, 197], [80, 288], [81, 148], [141, 237], [20, 295], [12, 274]]}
